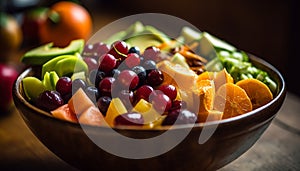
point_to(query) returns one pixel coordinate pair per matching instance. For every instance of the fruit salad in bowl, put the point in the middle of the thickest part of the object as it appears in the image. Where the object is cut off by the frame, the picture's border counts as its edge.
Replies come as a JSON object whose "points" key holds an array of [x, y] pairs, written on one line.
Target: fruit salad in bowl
{"points": [[141, 83]]}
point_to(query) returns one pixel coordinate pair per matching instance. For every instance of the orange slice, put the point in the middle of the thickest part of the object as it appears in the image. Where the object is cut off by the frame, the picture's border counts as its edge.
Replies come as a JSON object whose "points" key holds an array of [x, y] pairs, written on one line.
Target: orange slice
{"points": [[205, 90], [258, 92], [219, 78], [232, 100]]}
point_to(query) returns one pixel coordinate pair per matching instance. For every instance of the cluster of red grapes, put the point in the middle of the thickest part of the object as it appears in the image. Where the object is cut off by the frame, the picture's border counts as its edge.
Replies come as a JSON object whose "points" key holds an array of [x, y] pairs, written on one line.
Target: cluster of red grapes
{"points": [[123, 72]]}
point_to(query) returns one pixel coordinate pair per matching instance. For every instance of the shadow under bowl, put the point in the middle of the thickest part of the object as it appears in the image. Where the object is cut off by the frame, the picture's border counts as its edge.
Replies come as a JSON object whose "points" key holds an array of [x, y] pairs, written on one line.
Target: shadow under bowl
{"points": [[226, 139]]}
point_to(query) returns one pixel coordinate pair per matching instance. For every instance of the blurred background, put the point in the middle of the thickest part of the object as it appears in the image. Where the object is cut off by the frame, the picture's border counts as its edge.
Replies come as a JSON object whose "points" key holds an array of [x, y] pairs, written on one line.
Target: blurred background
{"points": [[266, 28]]}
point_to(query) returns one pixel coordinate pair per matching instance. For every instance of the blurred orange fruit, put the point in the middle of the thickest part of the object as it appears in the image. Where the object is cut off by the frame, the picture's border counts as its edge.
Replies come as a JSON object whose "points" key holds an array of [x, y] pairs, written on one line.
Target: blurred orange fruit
{"points": [[66, 21]]}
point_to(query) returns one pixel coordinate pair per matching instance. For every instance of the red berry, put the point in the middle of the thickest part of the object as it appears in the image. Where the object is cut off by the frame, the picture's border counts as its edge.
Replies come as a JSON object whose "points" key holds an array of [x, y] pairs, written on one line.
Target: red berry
{"points": [[107, 62], [132, 60], [128, 80], [169, 90], [161, 102]]}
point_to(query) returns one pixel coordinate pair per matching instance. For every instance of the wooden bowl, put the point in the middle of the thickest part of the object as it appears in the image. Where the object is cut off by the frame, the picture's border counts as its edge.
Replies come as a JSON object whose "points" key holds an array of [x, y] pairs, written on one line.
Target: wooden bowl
{"points": [[229, 140]]}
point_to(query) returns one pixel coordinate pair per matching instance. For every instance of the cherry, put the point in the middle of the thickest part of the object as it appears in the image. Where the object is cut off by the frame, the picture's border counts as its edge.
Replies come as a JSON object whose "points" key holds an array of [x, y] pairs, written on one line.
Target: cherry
{"points": [[107, 62], [180, 117], [169, 90], [151, 53], [178, 104], [161, 102], [105, 86], [64, 85], [100, 48], [132, 60], [128, 79], [134, 119], [143, 92], [155, 78], [119, 49]]}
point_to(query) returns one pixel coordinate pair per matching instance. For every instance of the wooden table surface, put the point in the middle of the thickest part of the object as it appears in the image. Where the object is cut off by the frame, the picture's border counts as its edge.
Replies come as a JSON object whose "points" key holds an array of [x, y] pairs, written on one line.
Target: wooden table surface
{"points": [[277, 149]]}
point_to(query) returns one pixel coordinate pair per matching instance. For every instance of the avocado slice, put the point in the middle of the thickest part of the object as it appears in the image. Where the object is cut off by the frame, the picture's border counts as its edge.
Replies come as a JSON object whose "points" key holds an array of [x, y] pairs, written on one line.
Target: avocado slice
{"points": [[70, 65], [44, 53], [143, 41], [32, 87], [49, 65]]}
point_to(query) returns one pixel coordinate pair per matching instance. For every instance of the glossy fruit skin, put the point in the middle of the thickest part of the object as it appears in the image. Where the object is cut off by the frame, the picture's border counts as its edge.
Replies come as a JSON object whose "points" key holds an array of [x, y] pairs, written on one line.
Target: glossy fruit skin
{"points": [[107, 62], [77, 84], [103, 104], [180, 117], [134, 119], [161, 102], [8, 75], [105, 86], [49, 100], [132, 60], [68, 26], [141, 72], [155, 78], [10, 35], [64, 85], [169, 90], [127, 80], [143, 92], [119, 50]]}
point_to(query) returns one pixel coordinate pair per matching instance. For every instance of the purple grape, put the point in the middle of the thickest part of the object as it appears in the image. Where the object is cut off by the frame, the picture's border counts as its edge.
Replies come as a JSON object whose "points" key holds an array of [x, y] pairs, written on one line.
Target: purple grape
{"points": [[103, 104], [77, 84], [182, 117], [169, 90], [49, 100], [96, 76], [132, 60], [105, 86], [134, 49], [143, 92], [161, 102], [128, 79], [91, 62], [92, 92], [129, 119], [155, 78], [149, 65], [64, 85], [141, 72], [151, 53]]}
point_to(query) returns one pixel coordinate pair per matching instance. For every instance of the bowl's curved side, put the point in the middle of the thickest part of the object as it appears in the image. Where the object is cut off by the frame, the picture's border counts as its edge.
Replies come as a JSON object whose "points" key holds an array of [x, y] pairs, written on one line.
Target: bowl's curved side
{"points": [[232, 138]]}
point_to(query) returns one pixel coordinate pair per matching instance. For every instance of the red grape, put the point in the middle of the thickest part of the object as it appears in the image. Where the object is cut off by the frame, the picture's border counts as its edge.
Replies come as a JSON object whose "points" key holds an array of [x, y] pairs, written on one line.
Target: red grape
{"points": [[107, 62]]}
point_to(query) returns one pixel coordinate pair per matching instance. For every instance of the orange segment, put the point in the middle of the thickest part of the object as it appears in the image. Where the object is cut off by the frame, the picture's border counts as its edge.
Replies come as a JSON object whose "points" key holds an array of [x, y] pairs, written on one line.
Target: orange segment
{"points": [[232, 100], [258, 92], [205, 90], [219, 78]]}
